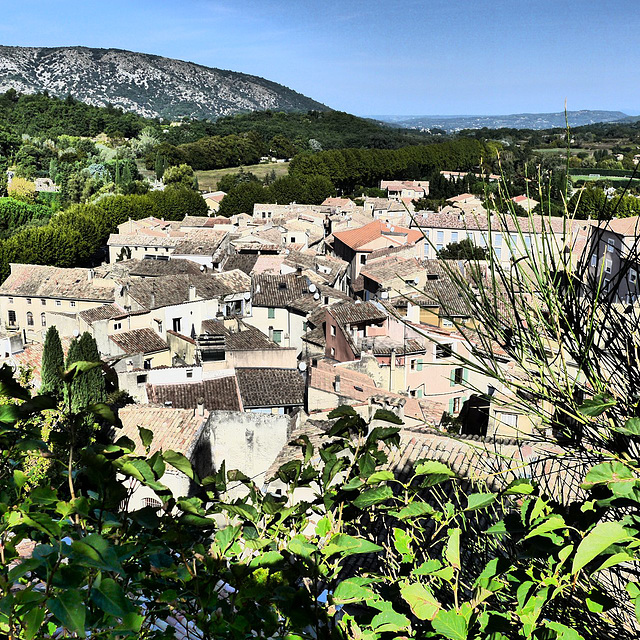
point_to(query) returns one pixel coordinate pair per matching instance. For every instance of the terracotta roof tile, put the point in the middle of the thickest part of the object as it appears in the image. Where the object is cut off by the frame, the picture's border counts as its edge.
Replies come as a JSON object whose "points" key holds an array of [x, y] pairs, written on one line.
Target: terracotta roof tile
{"points": [[267, 387], [139, 341], [356, 238], [218, 394]]}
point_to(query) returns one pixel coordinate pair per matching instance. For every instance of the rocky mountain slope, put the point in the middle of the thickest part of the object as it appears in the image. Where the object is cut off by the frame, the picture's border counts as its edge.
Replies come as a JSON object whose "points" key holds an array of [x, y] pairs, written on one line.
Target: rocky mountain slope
{"points": [[149, 85]]}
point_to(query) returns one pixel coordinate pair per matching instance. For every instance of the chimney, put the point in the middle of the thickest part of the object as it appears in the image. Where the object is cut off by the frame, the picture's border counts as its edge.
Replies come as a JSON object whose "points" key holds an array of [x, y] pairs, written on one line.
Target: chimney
{"points": [[200, 407], [153, 300], [129, 366], [192, 293], [90, 274]]}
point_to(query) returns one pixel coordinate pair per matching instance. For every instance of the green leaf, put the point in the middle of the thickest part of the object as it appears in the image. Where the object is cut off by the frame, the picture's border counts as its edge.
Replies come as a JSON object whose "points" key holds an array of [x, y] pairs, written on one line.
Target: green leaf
{"points": [[179, 462], [518, 487], [600, 538], [373, 496], [267, 559], [9, 413], [103, 411], [95, 551], [146, 437], [451, 624], [389, 622], [452, 552], [348, 545], [110, 597], [431, 467], [414, 510], [422, 602], [380, 476], [479, 500], [563, 632], [300, 547], [19, 478], [402, 543], [614, 473], [631, 427], [69, 609], [387, 416], [32, 621], [552, 523], [597, 405], [353, 590], [79, 367], [342, 411]]}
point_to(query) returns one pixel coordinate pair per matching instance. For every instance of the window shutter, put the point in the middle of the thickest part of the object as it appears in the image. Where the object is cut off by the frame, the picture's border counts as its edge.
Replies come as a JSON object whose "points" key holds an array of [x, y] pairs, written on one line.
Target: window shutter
{"points": [[419, 393], [451, 406], [452, 379], [465, 375], [419, 364]]}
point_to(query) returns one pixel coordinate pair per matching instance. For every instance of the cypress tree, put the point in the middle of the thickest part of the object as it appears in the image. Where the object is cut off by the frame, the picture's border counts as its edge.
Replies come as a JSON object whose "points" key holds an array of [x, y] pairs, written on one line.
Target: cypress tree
{"points": [[159, 166], [74, 391], [94, 388], [52, 362]]}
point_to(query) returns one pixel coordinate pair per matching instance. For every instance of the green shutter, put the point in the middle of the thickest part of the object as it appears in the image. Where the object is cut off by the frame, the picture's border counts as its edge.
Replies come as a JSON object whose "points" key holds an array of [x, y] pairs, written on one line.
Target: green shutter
{"points": [[419, 364], [452, 380], [271, 312], [419, 393], [465, 375], [451, 406]]}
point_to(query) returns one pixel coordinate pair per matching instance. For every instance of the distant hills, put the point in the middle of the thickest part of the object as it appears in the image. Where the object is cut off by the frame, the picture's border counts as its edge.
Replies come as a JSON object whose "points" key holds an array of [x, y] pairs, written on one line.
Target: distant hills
{"points": [[513, 121], [149, 85]]}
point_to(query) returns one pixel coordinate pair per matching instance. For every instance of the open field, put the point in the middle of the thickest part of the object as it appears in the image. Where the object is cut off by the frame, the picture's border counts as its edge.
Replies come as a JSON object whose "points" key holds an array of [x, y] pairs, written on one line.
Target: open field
{"points": [[593, 178], [209, 179], [563, 151]]}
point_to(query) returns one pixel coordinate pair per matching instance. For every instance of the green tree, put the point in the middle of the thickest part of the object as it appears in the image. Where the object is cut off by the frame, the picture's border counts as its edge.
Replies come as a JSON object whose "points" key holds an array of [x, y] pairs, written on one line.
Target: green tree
{"points": [[52, 364], [93, 380], [463, 250], [180, 176]]}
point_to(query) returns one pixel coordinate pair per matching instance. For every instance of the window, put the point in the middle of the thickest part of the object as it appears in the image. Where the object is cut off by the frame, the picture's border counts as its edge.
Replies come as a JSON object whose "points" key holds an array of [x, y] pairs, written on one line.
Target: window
{"points": [[482, 240], [458, 375], [147, 363], [29, 319], [176, 325], [10, 300], [633, 276], [72, 303], [141, 379], [28, 300], [509, 419], [490, 390], [527, 242], [439, 247], [305, 326], [611, 243], [446, 322], [497, 240], [514, 239], [292, 240], [271, 313], [12, 316], [440, 237], [443, 350], [413, 365], [455, 405], [189, 373], [117, 325], [333, 352], [44, 302], [277, 336], [363, 259], [594, 260], [454, 236], [607, 266], [58, 303], [419, 365], [43, 319], [498, 252], [151, 502], [333, 330]]}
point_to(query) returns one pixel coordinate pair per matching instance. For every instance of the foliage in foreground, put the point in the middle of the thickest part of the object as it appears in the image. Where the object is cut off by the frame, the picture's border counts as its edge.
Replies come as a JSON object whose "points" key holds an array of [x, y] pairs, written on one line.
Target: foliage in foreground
{"points": [[354, 548]]}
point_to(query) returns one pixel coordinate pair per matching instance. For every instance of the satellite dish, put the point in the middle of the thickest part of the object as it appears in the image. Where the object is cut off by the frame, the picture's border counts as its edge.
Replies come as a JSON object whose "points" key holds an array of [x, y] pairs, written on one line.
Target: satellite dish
{"points": [[384, 295], [201, 267], [316, 296], [257, 288], [76, 333], [247, 296], [312, 287], [302, 366]]}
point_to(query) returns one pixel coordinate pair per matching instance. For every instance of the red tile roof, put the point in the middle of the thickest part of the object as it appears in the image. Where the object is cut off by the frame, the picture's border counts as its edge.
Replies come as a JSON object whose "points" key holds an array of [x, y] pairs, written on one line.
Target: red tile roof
{"points": [[355, 238]]}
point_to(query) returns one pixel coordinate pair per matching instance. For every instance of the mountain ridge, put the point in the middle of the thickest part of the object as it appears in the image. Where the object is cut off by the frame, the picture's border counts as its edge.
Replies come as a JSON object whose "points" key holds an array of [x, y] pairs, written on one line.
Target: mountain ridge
{"points": [[510, 121], [148, 84]]}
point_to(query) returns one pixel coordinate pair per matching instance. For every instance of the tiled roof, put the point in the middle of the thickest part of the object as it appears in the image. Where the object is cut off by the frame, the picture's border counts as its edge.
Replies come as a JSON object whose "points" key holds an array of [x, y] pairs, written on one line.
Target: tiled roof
{"points": [[623, 226], [356, 312], [200, 243], [105, 312], [243, 261], [218, 394], [173, 429], [31, 357], [337, 202], [55, 282], [277, 290], [147, 268], [479, 222], [245, 338], [266, 387], [384, 271], [153, 293], [142, 240], [139, 341], [356, 238]]}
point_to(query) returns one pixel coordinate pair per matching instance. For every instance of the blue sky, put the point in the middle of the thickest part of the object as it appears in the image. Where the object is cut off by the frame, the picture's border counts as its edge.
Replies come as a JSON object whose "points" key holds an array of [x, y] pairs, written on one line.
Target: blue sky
{"points": [[368, 57]]}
